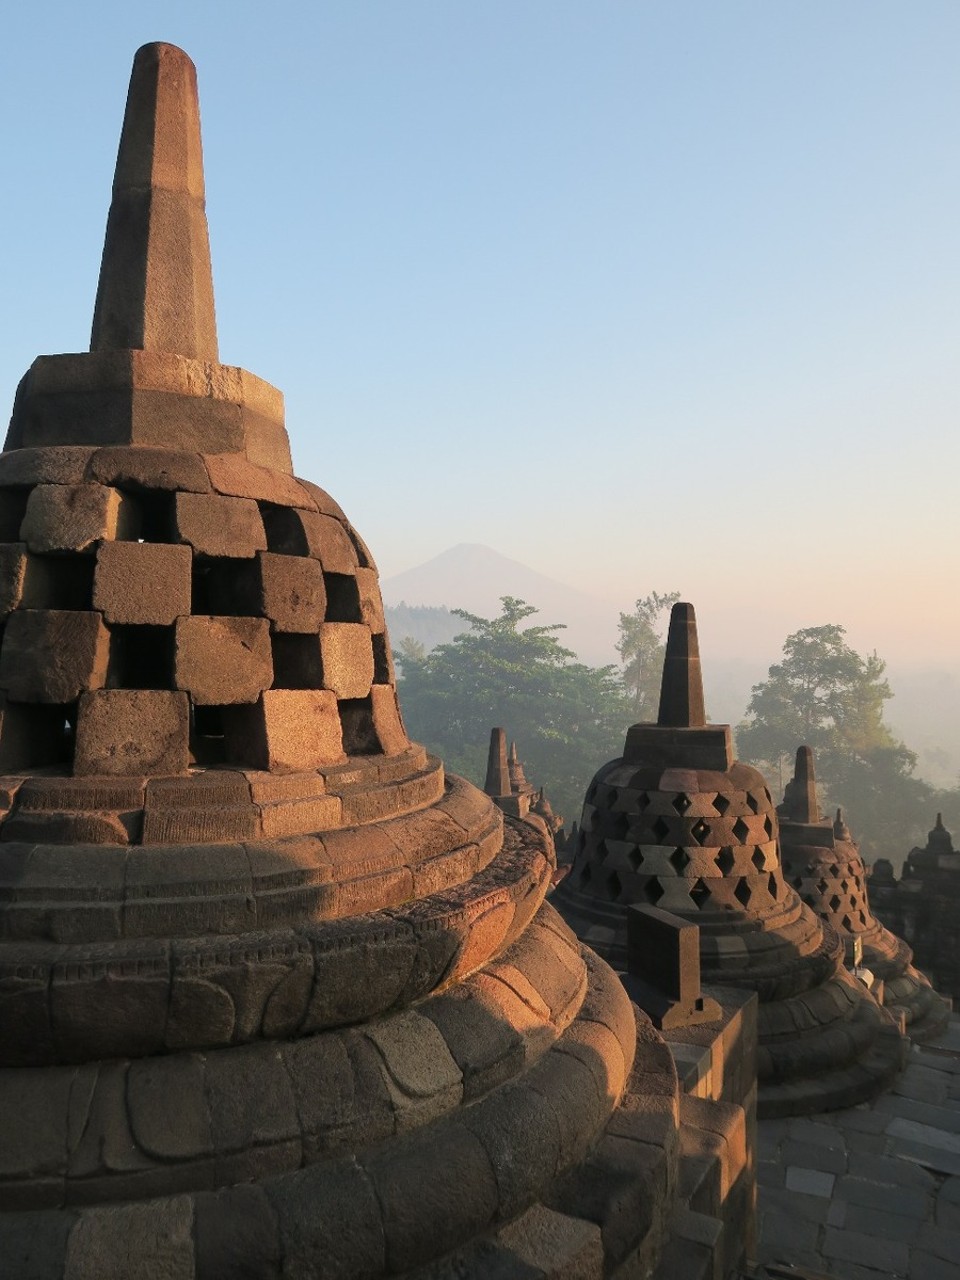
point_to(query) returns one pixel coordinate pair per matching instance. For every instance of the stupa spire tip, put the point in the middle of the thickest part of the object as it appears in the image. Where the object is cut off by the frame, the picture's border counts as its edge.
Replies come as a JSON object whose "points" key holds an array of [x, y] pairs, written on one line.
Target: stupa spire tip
{"points": [[681, 689]]}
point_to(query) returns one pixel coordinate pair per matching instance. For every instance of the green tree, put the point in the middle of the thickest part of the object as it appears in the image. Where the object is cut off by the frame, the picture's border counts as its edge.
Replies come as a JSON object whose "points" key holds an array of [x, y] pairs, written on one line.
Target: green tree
{"points": [[825, 695], [567, 718], [641, 650]]}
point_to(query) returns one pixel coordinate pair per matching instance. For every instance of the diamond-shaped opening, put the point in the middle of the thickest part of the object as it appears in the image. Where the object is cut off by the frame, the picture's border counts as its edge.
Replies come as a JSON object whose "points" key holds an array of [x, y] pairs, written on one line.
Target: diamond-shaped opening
{"points": [[642, 802], [773, 884], [679, 860], [844, 886], [767, 796], [600, 852], [618, 826], [726, 860], [610, 795], [752, 803], [808, 899], [834, 903], [700, 831], [741, 830], [699, 895], [743, 893], [863, 918], [586, 875], [681, 803], [822, 885], [653, 891], [834, 870], [721, 803], [759, 858], [635, 858], [661, 828], [140, 658], [296, 661], [58, 582], [614, 887], [768, 827], [797, 881], [284, 530], [846, 922], [343, 598]]}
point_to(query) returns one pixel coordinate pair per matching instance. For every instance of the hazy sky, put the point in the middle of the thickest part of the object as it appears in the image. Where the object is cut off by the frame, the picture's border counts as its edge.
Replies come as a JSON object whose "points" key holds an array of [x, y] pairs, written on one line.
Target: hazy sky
{"points": [[647, 295]]}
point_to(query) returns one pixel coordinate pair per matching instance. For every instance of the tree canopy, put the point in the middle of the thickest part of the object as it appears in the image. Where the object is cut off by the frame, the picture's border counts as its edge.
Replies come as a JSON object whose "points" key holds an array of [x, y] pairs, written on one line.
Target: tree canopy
{"points": [[641, 650], [567, 718], [825, 695]]}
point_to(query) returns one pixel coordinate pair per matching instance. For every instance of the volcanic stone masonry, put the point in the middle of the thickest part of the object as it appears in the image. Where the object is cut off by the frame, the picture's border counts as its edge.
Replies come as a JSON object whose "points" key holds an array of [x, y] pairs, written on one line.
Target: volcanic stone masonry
{"points": [[822, 862], [278, 997], [677, 823], [924, 905]]}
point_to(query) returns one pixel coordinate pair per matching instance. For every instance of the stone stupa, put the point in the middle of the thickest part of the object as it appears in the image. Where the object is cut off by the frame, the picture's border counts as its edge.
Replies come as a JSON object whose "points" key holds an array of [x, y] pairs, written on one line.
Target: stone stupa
{"points": [[277, 995], [822, 862], [678, 824]]}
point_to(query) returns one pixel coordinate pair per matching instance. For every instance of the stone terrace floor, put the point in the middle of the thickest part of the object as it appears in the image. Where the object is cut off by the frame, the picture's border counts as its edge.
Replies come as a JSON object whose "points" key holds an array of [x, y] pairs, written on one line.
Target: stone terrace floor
{"points": [[872, 1192]]}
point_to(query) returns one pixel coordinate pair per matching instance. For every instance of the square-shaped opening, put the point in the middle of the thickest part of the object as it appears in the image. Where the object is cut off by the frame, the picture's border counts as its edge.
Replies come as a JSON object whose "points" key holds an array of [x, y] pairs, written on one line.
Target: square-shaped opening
{"points": [[207, 740], [13, 507], [284, 530], [225, 587], [343, 598], [148, 516], [356, 721], [297, 663], [58, 582], [382, 666], [140, 658]]}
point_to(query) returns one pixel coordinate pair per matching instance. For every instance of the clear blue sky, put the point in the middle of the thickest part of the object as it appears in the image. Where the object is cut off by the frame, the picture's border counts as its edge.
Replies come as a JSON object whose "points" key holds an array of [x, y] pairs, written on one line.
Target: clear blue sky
{"points": [[647, 295]]}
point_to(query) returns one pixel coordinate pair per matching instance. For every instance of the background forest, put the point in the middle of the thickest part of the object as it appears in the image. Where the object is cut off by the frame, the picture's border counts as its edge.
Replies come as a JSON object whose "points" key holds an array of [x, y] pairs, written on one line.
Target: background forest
{"points": [[461, 674]]}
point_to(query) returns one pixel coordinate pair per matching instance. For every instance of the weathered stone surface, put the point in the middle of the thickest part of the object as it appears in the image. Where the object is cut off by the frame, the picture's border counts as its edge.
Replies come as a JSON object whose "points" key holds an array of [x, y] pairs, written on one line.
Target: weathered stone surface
{"points": [[148, 468], [386, 719], [287, 729], [219, 526], [52, 656], [237, 1234], [329, 542], [13, 565], [152, 1240], [132, 731], [72, 517], [221, 661], [346, 652], [142, 583], [292, 594]]}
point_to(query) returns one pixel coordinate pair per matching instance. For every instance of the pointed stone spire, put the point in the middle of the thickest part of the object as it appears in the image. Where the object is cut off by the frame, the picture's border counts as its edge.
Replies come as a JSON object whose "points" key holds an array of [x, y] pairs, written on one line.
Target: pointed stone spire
{"points": [[156, 286], [840, 829], [800, 793], [681, 690], [512, 758], [498, 773], [939, 838]]}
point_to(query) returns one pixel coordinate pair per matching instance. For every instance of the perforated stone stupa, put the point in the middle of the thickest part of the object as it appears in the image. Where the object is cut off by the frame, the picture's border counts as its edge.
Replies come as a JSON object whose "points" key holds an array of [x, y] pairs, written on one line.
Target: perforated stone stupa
{"points": [[822, 862], [677, 823], [277, 995]]}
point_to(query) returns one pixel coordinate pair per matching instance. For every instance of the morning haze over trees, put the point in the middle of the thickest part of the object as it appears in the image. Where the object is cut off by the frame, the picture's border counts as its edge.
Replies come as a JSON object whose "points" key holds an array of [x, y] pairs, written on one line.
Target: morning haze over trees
{"points": [[568, 718]]}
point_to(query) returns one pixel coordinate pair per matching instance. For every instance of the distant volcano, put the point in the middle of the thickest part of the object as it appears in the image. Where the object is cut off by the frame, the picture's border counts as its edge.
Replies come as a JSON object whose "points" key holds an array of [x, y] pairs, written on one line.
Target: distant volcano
{"points": [[473, 577]]}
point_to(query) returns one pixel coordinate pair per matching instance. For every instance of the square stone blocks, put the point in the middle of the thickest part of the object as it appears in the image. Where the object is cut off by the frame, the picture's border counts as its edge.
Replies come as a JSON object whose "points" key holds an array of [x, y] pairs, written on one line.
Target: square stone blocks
{"points": [[371, 602], [53, 655], [132, 732], [292, 593], [72, 517], [346, 651], [13, 566], [329, 542], [217, 526], [142, 583], [222, 661], [288, 729]]}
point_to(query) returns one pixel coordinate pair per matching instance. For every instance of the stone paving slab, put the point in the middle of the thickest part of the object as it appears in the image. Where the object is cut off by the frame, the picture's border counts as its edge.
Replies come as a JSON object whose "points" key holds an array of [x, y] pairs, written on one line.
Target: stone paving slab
{"points": [[871, 1193]]}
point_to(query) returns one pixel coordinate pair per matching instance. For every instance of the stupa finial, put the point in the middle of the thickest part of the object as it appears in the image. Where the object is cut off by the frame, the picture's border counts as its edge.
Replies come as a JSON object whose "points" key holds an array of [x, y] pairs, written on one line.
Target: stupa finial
{"points": [[800, 794], [681, 690], [156, 286], [498, 773]]}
